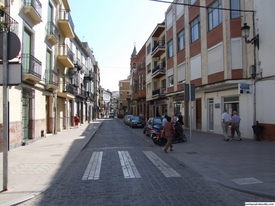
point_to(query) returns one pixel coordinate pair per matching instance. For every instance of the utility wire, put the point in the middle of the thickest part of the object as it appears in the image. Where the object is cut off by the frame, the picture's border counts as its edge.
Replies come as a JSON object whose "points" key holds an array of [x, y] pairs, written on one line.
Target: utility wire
{"points": [[206, 7]]}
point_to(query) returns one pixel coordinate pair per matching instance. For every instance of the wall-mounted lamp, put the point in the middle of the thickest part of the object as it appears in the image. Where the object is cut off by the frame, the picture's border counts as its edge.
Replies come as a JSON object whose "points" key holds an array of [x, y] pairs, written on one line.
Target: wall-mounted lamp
{"points": [[245, 32]]}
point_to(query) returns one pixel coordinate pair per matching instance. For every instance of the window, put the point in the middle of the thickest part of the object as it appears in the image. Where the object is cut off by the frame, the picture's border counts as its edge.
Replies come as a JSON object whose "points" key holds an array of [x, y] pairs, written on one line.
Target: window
{"points": [[171, 81], [235, 4], [215, 15], [170, 48], [195, 29], [192, 1], [181, 37], [149, 49], [148, 68], [180, 8]]}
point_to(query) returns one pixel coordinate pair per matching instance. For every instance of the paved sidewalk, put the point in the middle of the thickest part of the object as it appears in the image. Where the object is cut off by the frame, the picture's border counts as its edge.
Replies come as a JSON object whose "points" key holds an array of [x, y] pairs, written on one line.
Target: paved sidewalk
{"points": [[33, 168], [246, 165]]}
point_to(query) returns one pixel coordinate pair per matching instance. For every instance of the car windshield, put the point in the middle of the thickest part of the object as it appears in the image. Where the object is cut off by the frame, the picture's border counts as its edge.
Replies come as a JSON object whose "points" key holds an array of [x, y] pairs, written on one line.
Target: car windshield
{"points": [[129, 116], [158, 121], [135, 118]]}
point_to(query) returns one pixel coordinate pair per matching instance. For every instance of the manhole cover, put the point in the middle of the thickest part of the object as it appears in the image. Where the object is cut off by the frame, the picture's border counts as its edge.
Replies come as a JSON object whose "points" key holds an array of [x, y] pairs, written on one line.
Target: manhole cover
{"points": [[191, 153], [246, 181]]}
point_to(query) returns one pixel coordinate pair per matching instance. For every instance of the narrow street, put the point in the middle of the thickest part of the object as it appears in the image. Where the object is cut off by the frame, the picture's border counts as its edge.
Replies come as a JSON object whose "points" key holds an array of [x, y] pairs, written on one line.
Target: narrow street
{"points": [[122, 166]]}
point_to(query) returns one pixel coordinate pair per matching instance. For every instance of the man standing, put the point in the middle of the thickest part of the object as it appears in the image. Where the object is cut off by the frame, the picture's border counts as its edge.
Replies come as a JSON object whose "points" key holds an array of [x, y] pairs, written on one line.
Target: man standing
{"points": [[226, 119], [236, 125], [180, 119]]}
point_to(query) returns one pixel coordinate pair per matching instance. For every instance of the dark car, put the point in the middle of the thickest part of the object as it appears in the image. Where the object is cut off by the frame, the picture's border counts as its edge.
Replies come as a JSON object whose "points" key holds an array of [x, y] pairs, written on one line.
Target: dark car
{"points": [[127, 118], [111, 115], [136, 121], [153, 121]]}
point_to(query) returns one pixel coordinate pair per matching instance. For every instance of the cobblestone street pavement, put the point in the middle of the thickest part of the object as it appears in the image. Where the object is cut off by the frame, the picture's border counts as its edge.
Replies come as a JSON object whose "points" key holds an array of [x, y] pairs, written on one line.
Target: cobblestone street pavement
{"points": [[120, 166]]}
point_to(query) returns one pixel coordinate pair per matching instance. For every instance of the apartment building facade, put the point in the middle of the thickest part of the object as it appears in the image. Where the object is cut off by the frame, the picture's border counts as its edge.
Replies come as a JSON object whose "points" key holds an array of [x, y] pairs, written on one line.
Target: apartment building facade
{"points": [[138, 82], [156, 72], [124, 96], [57, 72], [205, 47]]}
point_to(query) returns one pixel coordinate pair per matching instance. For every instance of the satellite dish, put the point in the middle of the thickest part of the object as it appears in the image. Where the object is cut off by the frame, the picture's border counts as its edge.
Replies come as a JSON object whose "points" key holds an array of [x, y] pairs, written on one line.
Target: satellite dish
{"points": [[13, 45]]}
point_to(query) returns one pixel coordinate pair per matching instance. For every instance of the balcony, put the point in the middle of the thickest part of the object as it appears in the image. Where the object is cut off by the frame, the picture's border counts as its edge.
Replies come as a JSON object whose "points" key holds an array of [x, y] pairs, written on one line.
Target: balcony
{"points": [[89, 76], [160, 93], [31, 69], [7, 23], [81, 93], [52, 33], [66, 24], [65, 56], [158, 71], [77, 64], [33, 10], [51, 79], [158, 49], [68, 91]]}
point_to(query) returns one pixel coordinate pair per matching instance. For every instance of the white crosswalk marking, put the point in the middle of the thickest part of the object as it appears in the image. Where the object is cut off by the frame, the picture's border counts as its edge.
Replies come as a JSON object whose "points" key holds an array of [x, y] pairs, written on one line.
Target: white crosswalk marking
{"points": [[128, 167], [161, 165], [93, 168]]}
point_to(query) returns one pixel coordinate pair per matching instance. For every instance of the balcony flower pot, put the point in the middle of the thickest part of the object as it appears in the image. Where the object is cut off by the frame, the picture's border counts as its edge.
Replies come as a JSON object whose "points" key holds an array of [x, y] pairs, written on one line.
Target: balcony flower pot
{"points": [[3, 10], [3, 26]]}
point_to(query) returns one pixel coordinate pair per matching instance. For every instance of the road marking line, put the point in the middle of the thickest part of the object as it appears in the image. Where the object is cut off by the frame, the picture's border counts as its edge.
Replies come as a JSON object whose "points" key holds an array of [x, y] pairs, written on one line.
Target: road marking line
{"points": [[128, 167], [161, 165], [93, 168]]}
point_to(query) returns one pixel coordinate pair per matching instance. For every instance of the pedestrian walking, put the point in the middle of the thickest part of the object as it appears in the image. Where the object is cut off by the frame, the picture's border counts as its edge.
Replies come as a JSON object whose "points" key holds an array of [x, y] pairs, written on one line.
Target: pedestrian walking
{"points": [[235, 125], [168, 130], [180, 119], [226, 119], [164, 120], [76, 120]]}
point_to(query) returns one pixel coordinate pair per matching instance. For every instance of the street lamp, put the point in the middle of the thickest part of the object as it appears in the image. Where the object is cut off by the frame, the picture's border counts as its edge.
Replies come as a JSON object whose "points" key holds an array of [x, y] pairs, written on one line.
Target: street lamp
{"points": [[245, 32]]}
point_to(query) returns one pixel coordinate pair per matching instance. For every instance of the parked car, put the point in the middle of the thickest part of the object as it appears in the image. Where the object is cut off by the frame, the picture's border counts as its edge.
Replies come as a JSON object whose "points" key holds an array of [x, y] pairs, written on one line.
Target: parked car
{"points": [[127, 118], [136, 121], [152, 122], [111, 115]]}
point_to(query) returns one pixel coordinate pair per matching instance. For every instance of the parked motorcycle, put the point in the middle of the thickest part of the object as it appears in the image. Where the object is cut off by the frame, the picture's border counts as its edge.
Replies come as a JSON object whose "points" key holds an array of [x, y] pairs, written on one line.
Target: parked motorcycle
{"points": [[178, 136]]}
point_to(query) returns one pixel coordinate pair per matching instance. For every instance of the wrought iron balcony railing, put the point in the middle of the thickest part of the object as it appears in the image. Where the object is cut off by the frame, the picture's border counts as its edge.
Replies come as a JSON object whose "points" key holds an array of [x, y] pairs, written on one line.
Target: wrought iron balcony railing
{"points": [[51, 77], [64, 50], [65, 15], [52, 29], [159, 92], [31, 65], [159, 44], [7, 23], [70, 88]]}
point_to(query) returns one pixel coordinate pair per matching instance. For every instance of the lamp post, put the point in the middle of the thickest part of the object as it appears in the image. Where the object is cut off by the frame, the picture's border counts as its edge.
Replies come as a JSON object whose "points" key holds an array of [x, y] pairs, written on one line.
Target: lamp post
{"points": [[254, 71], [245, 32]]}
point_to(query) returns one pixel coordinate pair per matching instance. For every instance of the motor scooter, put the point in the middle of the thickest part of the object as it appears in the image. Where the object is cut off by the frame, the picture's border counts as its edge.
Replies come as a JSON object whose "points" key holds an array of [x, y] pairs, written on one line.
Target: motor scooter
{"points": [[178, 136]]}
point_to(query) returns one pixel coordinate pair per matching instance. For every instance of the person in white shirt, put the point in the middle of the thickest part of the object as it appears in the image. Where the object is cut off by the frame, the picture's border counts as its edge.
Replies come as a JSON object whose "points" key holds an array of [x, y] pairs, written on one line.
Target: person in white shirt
{"points": [[164, 120], [226, 119]]}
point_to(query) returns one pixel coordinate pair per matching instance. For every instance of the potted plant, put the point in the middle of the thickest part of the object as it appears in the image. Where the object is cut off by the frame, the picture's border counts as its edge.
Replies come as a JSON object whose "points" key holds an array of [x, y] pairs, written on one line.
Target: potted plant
{"points": [[3, 26], [3, 10]]}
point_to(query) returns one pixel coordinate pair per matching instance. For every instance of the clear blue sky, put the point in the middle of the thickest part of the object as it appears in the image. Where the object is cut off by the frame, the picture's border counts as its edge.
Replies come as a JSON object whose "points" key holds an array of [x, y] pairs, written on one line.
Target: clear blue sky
{"points": [[111, 28]]}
